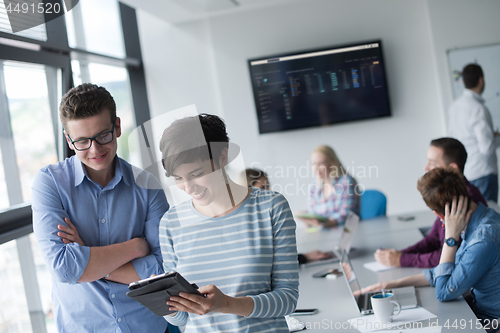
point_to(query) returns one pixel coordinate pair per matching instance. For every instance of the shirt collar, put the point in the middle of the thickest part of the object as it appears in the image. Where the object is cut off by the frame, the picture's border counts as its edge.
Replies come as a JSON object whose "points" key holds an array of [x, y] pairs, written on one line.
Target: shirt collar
{"points": [[474, 94], [476, 217], [121, 172], [81, 173]]}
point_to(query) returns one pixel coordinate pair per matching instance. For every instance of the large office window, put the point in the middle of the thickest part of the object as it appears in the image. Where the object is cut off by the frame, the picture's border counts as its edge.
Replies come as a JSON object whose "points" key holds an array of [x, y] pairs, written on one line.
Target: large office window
{"points": [[4, 199], [30, 119], [29, 140], [14, 314], [45, 283], [91, 45], [37, 32], [95, 26]]}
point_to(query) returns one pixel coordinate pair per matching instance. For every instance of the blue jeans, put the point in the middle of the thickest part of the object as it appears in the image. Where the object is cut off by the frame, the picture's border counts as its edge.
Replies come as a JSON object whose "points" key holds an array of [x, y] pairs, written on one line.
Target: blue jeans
{"points": [[488, 186]]}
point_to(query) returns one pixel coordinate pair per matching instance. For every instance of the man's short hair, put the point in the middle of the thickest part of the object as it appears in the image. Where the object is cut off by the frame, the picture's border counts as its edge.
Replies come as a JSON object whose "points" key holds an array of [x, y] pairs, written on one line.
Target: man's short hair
{"points": [[471, 75], [183, 142], [84, 101], [439, 186], [254, 175], [453, 151]]}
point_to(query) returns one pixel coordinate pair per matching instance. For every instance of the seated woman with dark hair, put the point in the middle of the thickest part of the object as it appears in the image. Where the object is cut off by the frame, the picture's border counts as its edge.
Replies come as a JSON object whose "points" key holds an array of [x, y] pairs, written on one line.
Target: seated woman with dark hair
{"points": [[475, 265], [238, 243], [257, 178]]}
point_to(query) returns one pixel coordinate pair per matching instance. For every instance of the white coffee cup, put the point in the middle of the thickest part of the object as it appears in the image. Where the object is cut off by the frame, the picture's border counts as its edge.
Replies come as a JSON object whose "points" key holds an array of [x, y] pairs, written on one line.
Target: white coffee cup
{"points": [[383, 307]]}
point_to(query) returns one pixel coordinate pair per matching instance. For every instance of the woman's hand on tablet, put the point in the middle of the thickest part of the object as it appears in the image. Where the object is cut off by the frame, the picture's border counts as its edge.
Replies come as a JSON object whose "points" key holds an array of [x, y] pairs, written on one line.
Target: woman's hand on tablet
{"points": [[214, 301]]}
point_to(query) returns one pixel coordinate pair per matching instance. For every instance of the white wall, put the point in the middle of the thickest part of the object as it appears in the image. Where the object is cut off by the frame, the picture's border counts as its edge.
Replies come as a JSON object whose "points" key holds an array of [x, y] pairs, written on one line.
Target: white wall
{"points": [[459, 24], [178, 61], [396, 145], [180, 70]]}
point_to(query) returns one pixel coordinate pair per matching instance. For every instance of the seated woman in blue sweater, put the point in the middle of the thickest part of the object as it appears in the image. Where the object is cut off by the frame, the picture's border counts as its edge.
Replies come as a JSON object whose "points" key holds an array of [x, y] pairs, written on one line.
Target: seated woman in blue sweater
{"points": [[475, 265], [238, 243]]}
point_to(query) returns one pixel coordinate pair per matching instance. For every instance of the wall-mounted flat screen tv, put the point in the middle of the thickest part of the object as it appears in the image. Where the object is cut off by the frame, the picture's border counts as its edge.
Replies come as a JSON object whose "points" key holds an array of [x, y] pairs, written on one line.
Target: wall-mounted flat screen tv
{"points": [[320, 87]]}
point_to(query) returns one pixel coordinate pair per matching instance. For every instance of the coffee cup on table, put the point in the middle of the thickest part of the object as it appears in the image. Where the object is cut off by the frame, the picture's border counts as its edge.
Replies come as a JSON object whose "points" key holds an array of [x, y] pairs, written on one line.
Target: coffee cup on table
{"points": [[383, 307]]}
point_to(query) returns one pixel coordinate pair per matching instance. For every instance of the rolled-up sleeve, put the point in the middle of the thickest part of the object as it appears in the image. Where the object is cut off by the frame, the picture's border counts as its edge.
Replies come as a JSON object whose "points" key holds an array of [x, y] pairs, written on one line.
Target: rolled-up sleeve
{"points": [[147, 266], [282, 299], [152, 264], [453, 279], [66, 262], [483, 131], [429, 275]]}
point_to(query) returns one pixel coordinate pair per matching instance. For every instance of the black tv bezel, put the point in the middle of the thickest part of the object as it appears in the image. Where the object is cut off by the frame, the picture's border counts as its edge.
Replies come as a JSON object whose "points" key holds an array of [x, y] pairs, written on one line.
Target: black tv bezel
{"points": [[339, 46]]}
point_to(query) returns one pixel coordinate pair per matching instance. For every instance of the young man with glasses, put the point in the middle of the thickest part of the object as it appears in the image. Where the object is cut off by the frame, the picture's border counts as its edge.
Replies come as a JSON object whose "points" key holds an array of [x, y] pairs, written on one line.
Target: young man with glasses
{"points": [[96, 228]]}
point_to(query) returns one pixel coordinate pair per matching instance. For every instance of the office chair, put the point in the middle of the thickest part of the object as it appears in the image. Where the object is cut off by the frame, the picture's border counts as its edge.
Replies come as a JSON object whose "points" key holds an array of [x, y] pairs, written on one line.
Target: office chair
{"points": [[373, 204]]}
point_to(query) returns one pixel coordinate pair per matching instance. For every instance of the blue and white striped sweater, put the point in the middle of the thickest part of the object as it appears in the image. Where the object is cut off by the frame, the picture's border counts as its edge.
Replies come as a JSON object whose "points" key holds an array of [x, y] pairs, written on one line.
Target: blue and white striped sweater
{"points": [[249, 252]]}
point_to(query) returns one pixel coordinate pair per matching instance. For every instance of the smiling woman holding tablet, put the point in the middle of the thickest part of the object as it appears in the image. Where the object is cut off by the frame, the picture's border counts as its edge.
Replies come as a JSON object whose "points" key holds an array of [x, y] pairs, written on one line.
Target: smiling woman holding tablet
{"points": [[237, 243]]}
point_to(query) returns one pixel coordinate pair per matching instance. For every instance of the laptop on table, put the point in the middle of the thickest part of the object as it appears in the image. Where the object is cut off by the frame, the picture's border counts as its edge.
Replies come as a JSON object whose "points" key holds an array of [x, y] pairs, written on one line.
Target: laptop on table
{"points": [[348, 230], [406, 296]]}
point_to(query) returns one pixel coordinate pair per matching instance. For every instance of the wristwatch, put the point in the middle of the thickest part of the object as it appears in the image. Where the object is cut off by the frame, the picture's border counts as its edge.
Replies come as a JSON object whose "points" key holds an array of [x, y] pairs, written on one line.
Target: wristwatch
{"points": [[450, 242]]}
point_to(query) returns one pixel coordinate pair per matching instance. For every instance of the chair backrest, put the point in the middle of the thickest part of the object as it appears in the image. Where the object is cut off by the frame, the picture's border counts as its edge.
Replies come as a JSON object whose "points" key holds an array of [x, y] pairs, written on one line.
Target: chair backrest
{"points": [[373, 204]]}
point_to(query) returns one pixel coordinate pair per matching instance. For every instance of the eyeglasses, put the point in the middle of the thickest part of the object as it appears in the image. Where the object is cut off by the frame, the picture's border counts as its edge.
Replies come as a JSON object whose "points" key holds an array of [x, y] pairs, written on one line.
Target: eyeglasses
{"points": [[86, 143]]}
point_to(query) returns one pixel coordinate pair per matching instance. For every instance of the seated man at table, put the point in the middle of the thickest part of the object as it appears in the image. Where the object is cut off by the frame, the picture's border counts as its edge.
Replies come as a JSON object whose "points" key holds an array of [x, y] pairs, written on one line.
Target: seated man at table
{"points": [[475, 265], [443, 152]]}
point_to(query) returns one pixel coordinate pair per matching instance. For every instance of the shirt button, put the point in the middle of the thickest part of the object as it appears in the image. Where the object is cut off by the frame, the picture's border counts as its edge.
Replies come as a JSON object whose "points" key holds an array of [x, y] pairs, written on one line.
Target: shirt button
{"points": [[103, 220], [113, 296], [451, 290], [119, 320]]}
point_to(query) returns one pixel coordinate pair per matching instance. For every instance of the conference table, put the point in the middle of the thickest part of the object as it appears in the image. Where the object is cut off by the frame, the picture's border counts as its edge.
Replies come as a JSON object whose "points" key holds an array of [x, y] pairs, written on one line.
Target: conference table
{"points": [[332, 296]]}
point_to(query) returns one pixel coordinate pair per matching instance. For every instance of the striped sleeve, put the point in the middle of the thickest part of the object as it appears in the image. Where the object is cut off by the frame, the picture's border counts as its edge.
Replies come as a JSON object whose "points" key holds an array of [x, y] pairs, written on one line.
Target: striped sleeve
{"points": [[282, 299], [170, 258], [180, 319], [166, 241]]}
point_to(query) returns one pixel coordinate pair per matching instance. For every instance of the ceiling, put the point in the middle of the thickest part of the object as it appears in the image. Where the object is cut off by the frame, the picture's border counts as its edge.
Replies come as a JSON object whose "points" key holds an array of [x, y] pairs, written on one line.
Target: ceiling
{"points": [[179, 11]]}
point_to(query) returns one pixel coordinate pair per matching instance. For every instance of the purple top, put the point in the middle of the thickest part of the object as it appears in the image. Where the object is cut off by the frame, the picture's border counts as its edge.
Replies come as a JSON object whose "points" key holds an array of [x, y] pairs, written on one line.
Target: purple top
{"points": [[427, 252]]}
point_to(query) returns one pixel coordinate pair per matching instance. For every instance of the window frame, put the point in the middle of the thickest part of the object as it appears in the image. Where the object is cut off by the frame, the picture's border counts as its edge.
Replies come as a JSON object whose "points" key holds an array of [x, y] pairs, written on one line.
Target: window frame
{"points": [[16, 221], [55, 52]]}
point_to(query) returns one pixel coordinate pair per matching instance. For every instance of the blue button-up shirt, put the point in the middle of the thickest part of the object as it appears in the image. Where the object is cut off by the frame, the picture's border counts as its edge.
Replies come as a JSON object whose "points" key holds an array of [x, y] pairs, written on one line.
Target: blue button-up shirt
{"points": [[477, 265], [116, 213]]}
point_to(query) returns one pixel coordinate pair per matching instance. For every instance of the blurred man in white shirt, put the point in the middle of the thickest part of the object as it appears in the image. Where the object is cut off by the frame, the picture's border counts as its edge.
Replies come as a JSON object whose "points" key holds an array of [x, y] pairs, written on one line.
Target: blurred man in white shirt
{"points": [[470, 122]]}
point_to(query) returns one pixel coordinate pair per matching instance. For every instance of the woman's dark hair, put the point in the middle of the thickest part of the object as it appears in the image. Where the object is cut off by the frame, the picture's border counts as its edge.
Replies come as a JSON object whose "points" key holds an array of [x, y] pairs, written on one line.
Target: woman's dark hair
{"points": [[84, 101], [254, 175], [193, 139], [439, 186]]}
